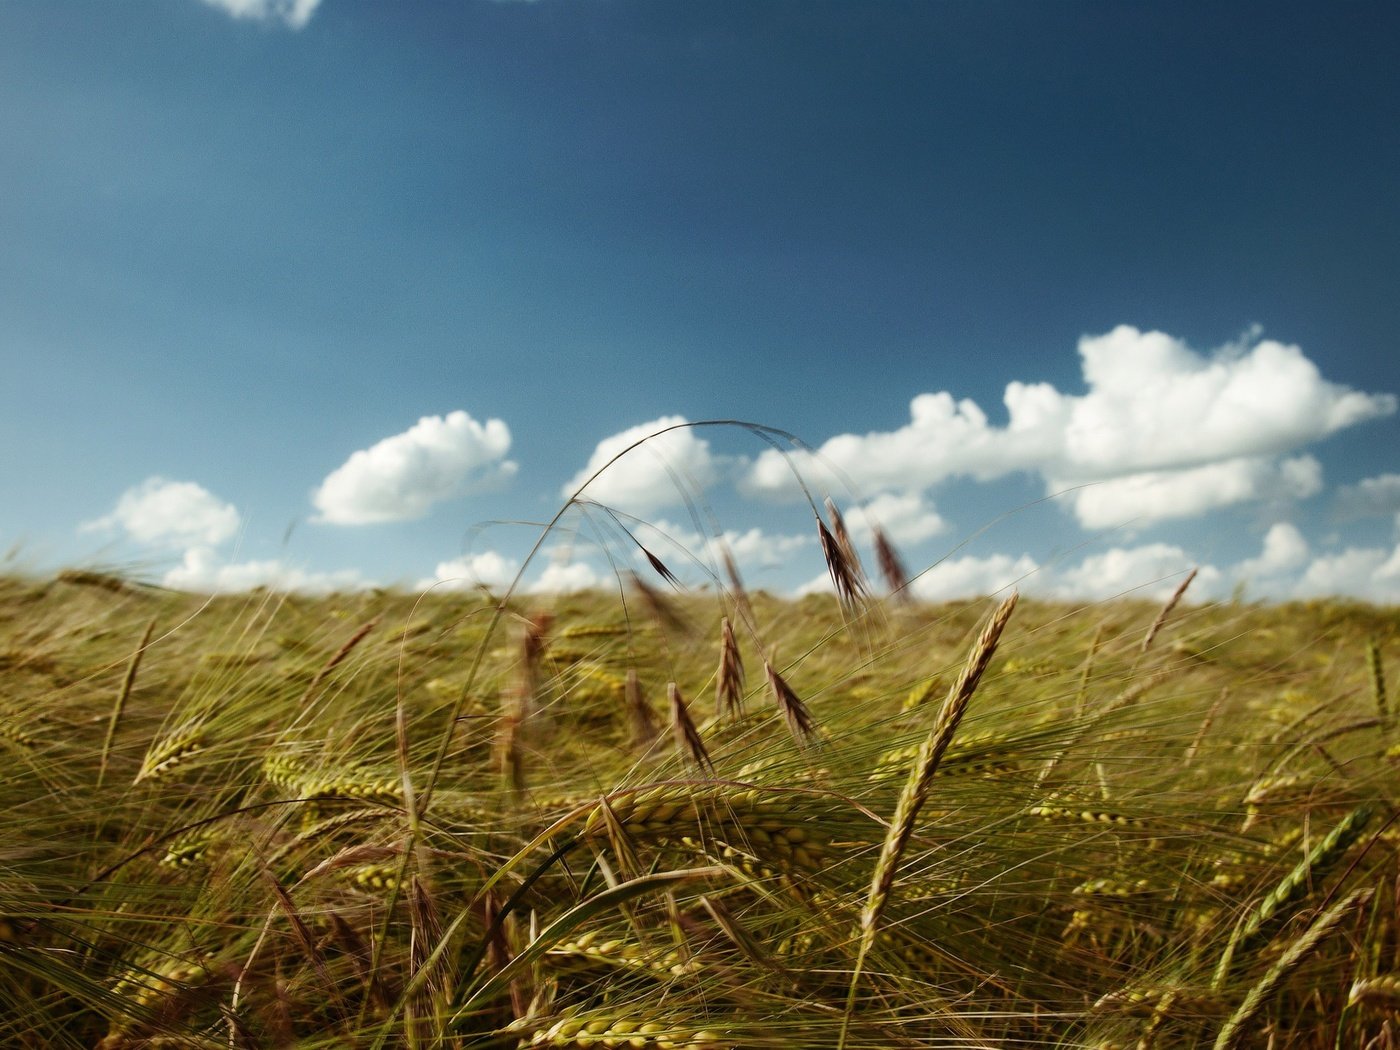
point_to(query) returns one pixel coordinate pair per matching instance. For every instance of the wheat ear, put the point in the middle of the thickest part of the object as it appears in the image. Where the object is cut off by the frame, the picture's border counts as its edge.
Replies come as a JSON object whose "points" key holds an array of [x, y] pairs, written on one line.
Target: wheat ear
{"points": [[918, 787], [1232, 1032]]}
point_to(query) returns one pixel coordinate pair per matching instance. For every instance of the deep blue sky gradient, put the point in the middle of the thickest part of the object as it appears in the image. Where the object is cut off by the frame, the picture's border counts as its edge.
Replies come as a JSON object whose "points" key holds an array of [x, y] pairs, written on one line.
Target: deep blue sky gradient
{"points": [[235, 253]]}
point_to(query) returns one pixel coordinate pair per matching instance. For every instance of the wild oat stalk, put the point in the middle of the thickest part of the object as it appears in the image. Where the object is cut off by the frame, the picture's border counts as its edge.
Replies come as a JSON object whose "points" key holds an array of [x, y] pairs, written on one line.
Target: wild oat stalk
{"points": [[917, 789], [840, 561], [842, 536]]}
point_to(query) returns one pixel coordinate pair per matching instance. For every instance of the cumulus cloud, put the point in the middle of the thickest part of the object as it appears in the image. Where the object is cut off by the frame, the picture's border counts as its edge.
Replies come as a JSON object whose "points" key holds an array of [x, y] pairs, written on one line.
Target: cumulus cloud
{"points": [[484, 569], [1372, 573], [1153, 407], [294, 14], [203, 571], [400, 478], [1166, 494], [647, 477], [1370, 497], [170, 514], [565, 574], [971, 576], [1284, 551], [906, 517], [751, 548], [1152, 570]]}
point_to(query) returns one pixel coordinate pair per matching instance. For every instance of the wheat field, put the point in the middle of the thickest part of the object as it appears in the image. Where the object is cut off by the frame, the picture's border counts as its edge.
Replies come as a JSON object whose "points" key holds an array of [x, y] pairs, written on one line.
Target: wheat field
{"points": [[714, 819]]}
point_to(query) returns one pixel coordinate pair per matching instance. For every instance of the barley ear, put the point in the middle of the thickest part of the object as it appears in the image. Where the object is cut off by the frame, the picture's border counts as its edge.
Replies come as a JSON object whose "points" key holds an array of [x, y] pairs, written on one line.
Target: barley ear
{"points": [[1233, 1032]]}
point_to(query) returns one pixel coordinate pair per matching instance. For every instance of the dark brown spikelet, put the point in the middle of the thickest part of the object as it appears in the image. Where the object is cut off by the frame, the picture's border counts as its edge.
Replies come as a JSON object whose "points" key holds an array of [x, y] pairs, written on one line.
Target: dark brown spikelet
{"points": [[1167, 609], [660, 567], [891, 566], [664, 612], [794, 711], [842, 536], [729, 678], [644, 727], [843, 574], [688, 740]]}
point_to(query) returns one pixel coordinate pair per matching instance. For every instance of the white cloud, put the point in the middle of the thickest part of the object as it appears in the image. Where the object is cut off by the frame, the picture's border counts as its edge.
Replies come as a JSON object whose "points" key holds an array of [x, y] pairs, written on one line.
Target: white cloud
{"points": [[679, 546], [971, 576], [398, 479], [906, 517], [1372, 573], [564, 575], [647, 477], [487, 568], [1153, 570], [760, 549], [203, 571], [1370, 497], [294, 14], [1284, 551], [1153, 407], [170, 514], [1189, 493]]}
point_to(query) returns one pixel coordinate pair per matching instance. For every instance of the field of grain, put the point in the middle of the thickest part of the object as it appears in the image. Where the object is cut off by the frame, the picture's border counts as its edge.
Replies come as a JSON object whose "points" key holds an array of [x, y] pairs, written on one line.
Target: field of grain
{"points": [[659, 820]]}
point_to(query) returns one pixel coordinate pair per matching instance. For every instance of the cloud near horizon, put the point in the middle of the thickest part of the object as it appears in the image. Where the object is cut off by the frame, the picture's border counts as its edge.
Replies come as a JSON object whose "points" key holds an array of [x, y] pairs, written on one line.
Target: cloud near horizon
{"points": [[1162, 431], [647, 467], [402, 477], [294, 14], [202, 570], [170, 514]]}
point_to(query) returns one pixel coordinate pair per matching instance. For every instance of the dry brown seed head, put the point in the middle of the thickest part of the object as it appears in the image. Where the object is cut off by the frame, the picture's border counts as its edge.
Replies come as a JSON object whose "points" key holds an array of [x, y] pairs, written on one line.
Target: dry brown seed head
{"points": [[688, 740]]}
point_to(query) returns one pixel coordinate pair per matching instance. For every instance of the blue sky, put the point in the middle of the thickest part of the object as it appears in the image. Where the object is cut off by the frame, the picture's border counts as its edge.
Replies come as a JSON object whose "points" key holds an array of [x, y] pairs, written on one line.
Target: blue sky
{"points": [[313, 293]]}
